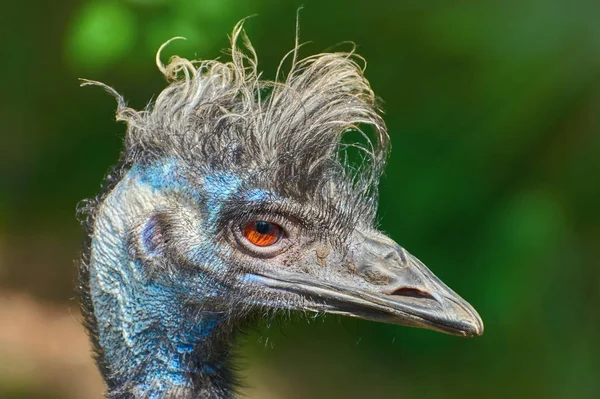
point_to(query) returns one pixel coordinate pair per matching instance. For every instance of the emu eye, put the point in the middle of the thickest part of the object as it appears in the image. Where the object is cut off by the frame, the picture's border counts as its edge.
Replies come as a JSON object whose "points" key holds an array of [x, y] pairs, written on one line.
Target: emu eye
{"points": [[261, 233]]}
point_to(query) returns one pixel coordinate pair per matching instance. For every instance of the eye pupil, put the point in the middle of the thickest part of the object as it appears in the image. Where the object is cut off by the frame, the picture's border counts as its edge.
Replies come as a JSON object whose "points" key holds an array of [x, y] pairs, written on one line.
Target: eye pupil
{"points": [[261, 233], [263, 227]]}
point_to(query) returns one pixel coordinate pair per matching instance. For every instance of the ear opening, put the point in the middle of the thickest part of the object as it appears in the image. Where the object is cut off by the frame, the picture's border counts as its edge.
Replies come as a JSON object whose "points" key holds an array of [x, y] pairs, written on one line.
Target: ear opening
{"points": [[152, 237]]}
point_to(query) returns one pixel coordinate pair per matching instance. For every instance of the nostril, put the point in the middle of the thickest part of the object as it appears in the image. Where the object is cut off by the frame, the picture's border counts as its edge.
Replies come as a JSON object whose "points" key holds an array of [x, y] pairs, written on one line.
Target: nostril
{"points": [[390, 255], [396, 258], [411, 292]]}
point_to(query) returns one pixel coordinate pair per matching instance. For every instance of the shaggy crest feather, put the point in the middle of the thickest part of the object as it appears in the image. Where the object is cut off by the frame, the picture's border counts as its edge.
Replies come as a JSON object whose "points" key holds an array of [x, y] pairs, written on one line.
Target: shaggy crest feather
{"points": [[221, 115]]}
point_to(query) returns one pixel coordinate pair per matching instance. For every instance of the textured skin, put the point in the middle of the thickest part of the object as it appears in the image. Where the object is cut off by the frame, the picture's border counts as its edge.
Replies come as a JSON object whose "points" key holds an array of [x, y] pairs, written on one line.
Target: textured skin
{"points": [[157, 299], [139, 309]]}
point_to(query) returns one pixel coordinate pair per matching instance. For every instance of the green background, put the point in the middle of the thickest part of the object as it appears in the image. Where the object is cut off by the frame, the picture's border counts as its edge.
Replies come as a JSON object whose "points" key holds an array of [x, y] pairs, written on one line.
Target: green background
{"points": [[493, 108]]}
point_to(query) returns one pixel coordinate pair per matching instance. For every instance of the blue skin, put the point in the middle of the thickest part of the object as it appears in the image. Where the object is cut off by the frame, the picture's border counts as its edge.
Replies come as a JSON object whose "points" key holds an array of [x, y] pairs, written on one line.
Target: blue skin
{"points": [[143, 324]]}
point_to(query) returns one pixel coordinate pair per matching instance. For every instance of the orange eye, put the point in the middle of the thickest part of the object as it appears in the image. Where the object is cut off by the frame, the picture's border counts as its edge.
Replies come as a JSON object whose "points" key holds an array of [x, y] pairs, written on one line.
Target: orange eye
{"points": [[261, 233]]}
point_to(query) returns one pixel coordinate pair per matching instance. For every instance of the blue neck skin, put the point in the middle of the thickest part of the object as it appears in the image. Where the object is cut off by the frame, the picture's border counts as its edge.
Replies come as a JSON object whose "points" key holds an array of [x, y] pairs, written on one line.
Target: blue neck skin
{"points": [[153, 344]]}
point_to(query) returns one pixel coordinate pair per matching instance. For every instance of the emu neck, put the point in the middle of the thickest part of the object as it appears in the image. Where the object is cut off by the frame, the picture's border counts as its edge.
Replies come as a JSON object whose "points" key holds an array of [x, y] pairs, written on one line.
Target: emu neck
{"points": [[153, 342]]}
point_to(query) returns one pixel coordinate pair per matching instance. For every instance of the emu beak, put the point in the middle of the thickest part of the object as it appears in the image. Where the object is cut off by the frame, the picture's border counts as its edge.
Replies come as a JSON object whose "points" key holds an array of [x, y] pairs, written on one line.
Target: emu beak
{"points": [[407, 292], [387, 285]]}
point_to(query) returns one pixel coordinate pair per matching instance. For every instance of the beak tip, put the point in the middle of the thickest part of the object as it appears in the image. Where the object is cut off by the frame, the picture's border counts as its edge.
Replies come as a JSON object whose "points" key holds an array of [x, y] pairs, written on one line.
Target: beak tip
{"points": [[476, 326], [477, 331], [480, 328]]}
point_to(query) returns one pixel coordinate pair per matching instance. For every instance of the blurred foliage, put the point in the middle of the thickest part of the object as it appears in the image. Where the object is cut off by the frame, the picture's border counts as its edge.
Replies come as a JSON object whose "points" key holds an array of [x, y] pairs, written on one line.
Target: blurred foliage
{"points": [[494, 178], [102, 33]]}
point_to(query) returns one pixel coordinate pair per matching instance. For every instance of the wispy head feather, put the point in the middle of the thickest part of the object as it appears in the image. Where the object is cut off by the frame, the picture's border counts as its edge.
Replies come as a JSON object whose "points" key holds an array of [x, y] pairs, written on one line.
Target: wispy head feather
{"points": [[285, 134]]}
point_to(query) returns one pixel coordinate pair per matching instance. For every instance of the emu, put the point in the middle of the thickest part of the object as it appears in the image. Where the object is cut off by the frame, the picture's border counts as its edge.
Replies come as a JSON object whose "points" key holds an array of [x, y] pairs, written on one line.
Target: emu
{"points": [[235, 199]]}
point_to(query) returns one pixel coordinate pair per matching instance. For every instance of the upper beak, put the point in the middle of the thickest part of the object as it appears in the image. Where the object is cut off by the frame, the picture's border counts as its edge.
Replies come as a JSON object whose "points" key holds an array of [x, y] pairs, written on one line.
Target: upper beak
{"points": [[407, 291], [387, 285]]}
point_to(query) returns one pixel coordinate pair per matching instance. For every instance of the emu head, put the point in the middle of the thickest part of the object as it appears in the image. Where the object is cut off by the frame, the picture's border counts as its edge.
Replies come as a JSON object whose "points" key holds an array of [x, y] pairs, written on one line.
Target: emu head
{"points": [[235, 197]]}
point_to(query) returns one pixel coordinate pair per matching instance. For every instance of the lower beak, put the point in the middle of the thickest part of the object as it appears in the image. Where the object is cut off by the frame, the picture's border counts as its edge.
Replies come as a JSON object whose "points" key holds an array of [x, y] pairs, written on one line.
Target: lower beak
{"points": [[390, 286]]}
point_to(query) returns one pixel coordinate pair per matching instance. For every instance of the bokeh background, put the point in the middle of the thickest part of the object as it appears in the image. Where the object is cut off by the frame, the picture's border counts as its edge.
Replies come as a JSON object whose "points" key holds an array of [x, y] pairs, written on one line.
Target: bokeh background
{"points": [[494, 182]]}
